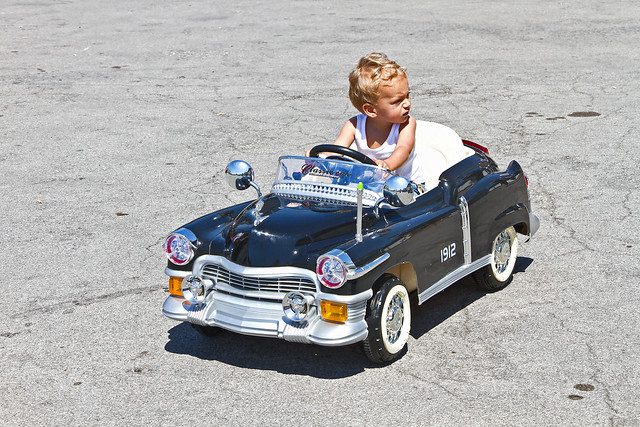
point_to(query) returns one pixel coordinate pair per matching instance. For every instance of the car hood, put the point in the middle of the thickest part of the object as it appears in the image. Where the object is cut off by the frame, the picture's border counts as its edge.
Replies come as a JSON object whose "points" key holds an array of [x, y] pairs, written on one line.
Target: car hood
{"points": [[279, 231]]}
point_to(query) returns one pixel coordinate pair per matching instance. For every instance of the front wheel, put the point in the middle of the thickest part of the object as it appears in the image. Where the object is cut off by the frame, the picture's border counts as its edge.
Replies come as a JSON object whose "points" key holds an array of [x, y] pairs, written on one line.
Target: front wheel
{"points": [[499, 272], [389, 321]]}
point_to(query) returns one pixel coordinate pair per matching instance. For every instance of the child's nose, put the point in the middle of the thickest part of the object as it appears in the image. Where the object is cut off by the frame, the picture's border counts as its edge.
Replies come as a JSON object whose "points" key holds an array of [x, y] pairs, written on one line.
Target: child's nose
{"points": [[406, 103]]}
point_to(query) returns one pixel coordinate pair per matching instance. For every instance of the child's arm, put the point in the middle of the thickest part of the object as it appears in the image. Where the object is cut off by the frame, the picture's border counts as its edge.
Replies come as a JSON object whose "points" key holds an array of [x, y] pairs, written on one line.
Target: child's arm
{"points": [[347, 133], [346, 136], [404, 146]]}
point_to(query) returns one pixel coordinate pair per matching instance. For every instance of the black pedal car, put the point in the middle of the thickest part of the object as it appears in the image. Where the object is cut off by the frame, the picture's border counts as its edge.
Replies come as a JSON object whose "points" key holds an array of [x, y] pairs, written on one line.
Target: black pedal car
{"points": [[337, 249]]}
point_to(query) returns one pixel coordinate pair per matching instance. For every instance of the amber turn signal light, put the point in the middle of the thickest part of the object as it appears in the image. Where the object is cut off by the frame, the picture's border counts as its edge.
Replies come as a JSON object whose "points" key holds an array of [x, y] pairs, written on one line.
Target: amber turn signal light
{"points": [[175, 286], [333, 311]]}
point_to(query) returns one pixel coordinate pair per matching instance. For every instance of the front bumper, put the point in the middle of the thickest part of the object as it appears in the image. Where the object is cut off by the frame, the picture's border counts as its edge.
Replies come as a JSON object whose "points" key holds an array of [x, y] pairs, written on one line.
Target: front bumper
{"points": [[265, 318]]}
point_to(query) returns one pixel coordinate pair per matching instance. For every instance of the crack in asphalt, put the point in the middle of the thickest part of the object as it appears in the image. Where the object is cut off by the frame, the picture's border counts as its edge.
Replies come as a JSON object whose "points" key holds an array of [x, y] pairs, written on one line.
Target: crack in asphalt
{"points": [[560, 222], [625, 205], [46, 309], [564, 326], [426, 381], [594, 377]]}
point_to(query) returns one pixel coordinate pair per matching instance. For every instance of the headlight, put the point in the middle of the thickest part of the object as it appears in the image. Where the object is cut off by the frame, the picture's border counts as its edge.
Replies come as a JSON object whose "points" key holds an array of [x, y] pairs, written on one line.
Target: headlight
{"points": [[331, 272], [178, 249]]}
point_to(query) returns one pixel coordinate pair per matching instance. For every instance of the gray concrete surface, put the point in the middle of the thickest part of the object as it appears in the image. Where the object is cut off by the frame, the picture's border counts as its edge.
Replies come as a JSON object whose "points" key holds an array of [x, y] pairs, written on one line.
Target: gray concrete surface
{"points": [[116, 121]]}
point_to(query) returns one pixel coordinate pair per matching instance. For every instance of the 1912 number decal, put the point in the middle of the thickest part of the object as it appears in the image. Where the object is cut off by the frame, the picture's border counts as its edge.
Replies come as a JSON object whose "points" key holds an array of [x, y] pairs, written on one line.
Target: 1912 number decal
{"points": [[447, 252]]}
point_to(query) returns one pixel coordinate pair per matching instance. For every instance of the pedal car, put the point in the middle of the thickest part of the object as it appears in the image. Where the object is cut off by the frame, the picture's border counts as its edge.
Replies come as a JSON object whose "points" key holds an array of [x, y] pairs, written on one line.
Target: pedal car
{"points": [[335, 252]]}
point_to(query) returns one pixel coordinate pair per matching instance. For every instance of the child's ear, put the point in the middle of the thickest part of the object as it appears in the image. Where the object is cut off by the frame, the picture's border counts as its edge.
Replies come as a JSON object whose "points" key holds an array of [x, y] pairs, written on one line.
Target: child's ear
{"points": [[369, 110]]}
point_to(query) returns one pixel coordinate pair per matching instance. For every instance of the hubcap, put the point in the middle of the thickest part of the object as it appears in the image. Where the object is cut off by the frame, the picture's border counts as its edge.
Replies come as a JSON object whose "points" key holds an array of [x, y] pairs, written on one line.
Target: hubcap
{"points": [[502, 252], [395, 317]]}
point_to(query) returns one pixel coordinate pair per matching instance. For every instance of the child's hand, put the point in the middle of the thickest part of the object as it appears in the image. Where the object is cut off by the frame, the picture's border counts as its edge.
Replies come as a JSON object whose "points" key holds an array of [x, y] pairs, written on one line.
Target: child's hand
{"points": [[381, 164]]}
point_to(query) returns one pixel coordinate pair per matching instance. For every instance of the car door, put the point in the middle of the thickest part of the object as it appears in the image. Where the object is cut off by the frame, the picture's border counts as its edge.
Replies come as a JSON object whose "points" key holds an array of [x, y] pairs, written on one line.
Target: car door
{"points": [[439, 248]]}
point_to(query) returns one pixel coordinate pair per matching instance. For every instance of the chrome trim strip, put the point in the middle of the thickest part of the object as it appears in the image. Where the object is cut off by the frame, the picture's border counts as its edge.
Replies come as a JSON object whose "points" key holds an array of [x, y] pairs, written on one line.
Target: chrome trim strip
{"points": [[361, 271], [346, 299], [176, 273], [453, 277], [262, 272], [466, 229], [354, 272], [186, 233], [335, 192]]}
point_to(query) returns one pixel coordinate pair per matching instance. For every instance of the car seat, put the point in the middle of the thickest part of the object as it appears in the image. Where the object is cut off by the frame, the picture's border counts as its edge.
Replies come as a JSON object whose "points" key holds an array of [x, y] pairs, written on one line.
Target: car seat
{"points": [[438, 147]]}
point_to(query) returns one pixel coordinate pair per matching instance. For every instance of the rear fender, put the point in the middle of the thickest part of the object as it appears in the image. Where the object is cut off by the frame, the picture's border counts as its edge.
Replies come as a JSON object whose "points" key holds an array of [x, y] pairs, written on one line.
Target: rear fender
{"points": [[516, 216], [497, 202]]}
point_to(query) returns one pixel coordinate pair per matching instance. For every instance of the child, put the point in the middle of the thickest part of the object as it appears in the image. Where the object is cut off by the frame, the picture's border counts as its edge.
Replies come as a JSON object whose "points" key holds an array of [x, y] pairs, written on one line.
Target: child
{"points": [[384, 131]]}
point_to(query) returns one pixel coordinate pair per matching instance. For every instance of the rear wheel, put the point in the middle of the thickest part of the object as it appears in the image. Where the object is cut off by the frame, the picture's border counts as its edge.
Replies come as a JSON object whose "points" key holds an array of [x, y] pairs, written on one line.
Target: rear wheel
{"points": [[389, 321], [499, 272]]}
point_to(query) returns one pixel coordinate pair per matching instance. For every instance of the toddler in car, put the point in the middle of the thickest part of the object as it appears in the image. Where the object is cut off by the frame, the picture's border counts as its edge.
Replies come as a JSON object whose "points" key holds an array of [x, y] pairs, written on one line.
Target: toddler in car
{"points": [[384, 130]]}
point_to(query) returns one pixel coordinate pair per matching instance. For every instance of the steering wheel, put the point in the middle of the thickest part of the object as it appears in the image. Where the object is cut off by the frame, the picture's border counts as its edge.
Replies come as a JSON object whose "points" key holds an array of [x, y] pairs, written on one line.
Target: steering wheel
{"points": [[343, 151]]}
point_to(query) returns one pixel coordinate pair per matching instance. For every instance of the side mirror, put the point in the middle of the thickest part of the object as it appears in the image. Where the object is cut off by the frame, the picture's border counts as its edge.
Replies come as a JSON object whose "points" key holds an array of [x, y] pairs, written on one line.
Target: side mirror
{"points": [[239, 176], [398, 191]]}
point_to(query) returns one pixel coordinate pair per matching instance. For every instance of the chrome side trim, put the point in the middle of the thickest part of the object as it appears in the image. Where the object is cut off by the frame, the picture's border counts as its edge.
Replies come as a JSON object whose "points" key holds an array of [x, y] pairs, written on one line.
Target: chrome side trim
{"points": [[176, 273], [354, 272], [453, 277], [466, 229], [263, 272], [361, 271]]}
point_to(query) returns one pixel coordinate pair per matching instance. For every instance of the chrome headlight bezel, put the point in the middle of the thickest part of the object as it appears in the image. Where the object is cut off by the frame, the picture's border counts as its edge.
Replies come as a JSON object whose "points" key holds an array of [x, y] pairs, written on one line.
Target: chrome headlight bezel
{"points": [[179, 247], [331, 271]]}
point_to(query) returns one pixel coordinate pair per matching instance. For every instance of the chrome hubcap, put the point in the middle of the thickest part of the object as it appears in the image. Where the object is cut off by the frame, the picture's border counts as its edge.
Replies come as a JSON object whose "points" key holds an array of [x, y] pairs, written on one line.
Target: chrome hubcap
{"points": [[395, 317], [502, 252]]}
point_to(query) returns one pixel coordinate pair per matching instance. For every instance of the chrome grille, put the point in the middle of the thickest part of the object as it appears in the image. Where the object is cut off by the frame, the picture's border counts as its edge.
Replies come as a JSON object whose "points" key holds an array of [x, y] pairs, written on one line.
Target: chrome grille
{"points": [[268, 288]]}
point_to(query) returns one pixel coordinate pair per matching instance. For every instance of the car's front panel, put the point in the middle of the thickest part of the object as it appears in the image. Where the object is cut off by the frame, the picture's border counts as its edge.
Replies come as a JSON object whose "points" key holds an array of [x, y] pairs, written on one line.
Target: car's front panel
{"points": [[249, 300]]}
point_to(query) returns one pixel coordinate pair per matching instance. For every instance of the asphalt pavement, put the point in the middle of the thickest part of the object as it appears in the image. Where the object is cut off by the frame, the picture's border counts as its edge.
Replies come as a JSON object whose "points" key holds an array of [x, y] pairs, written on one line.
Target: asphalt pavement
{"points": [[116, 122]]}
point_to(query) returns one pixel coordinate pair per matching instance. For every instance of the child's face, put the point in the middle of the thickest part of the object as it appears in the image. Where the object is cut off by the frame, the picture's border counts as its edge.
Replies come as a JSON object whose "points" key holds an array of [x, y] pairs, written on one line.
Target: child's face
{"points": [[393, 104]]}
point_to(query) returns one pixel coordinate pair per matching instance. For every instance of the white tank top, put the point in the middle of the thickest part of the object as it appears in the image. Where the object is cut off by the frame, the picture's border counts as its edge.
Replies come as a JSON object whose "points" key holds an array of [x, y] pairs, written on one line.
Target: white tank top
{"points": [[410, 169]]}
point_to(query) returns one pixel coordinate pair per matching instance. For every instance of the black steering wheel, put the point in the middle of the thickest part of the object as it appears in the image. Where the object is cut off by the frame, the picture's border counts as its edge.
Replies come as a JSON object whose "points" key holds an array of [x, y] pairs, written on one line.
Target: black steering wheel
{"points": [[343, 151]]}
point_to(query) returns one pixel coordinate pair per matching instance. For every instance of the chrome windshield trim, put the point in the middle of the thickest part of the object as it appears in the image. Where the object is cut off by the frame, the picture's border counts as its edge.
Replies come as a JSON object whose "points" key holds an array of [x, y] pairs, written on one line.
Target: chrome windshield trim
{"points": [[323, 191], [354, 272], [176, 273], [264, 272]]}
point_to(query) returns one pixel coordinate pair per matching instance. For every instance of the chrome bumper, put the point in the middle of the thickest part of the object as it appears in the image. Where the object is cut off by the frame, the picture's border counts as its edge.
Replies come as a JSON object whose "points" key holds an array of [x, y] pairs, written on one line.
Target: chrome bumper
{"points": [[534, 224], [261, 318]]}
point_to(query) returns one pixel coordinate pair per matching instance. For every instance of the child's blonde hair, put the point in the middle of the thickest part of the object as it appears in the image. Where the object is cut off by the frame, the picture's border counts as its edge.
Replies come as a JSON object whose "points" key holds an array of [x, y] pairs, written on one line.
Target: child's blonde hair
{"points": [[365, 79]]}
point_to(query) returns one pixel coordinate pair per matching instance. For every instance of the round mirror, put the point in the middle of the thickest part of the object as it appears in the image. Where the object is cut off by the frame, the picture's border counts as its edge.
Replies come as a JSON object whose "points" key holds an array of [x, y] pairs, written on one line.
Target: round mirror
{"points": [[239, 174], [398, 191]]}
